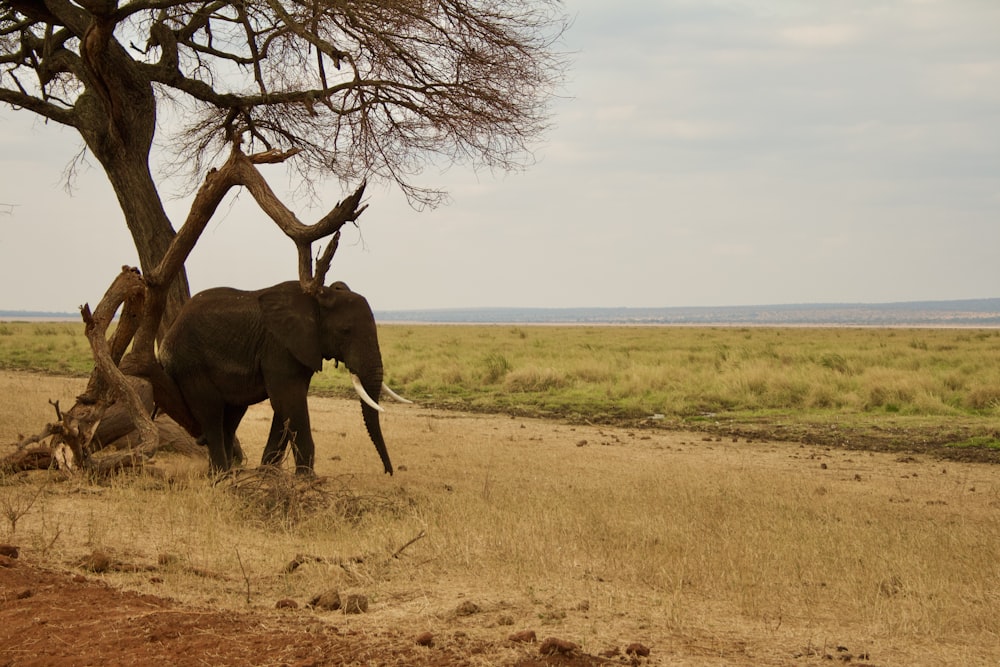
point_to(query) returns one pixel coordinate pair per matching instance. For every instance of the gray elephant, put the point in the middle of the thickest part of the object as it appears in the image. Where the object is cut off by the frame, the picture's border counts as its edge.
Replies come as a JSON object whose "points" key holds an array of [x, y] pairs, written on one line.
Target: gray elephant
{"points": [[229, 349]]}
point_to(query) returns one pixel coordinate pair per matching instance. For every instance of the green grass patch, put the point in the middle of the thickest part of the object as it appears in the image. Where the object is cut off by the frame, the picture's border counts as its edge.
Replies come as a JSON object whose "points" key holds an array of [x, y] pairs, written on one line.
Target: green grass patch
{"points": [[51, 347], [825, 379], [979, 442]]}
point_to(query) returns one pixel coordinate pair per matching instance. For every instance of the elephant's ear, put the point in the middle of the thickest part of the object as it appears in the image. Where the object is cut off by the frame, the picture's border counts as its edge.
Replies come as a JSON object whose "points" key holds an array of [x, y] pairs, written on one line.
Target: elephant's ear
{"points": [[292, 317]]}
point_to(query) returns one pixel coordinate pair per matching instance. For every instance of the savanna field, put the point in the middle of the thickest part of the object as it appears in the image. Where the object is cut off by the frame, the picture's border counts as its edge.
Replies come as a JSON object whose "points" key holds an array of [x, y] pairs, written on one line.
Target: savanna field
{"points": [[719, 496]]}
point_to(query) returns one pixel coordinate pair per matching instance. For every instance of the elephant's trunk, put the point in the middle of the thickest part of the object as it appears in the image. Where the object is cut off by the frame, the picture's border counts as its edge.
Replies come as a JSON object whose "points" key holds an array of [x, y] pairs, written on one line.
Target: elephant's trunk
{"points": [[373, 387]]}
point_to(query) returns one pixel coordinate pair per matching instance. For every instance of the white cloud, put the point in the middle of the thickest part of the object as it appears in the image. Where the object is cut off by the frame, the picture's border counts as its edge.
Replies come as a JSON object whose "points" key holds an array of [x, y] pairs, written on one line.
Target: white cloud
{"points": [[964, 80], [821, 35], [618, 113], [729, 250], [689, 129]]}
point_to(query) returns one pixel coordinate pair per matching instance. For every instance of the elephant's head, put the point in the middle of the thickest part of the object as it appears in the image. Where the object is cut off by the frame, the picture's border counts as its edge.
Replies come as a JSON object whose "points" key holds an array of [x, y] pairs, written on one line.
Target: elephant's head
{"points": [[335, 324]]}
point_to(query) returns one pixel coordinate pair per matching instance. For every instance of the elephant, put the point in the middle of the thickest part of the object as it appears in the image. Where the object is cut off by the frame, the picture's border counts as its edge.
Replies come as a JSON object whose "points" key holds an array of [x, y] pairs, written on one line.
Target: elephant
{"points": [[229, 349]]}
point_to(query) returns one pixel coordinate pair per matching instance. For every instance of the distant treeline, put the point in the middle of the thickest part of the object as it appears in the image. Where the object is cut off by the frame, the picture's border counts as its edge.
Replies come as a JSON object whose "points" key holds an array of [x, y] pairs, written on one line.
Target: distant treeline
{"points": [[968, 312]]}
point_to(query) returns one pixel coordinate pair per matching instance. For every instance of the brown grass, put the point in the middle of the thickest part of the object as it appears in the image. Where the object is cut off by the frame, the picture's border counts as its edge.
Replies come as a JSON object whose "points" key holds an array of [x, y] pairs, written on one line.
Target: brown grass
{"points": [[708, 551]]}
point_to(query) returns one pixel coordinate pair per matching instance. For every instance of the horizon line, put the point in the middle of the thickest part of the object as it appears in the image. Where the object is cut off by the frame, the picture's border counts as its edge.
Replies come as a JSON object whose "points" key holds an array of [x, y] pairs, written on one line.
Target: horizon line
{"points": [[444, 309]]}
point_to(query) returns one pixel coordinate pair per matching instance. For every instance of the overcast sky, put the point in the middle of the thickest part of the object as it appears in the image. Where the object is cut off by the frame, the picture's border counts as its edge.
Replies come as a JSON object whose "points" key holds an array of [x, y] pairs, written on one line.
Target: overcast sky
{"points": [[704, 153]]}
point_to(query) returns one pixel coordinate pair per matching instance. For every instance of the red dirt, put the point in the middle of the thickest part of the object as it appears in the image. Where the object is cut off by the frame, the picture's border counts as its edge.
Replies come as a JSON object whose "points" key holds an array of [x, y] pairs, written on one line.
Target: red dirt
{"points": [[59, 618]]}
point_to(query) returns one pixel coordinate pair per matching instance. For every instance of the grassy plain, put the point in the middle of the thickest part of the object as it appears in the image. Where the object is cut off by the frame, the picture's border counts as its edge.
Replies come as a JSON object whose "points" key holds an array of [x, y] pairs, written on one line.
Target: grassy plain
{"points": [[857, 387], [596, 527]]}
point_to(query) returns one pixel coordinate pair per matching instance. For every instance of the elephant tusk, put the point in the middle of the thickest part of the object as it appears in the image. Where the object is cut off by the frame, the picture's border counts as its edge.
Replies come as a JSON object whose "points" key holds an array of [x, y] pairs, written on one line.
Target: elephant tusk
{"points": [[364, 394], [396, 396]]}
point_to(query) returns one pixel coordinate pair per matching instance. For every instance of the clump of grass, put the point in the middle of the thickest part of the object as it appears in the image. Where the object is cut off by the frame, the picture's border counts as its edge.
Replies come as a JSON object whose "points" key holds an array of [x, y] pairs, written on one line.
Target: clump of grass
{"points": [[497, 367], [835, 362], [279, 498], [275, 496], [535, 380], [983, 397]]}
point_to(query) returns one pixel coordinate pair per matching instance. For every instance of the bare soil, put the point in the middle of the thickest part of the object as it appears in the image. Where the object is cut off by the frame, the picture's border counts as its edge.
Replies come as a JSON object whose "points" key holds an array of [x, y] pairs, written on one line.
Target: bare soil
{"points": [[63, 617], [55, 617]]}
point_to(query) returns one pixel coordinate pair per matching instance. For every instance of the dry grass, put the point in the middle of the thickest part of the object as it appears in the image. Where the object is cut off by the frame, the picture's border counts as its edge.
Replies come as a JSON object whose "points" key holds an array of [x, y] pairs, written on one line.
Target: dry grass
{"points": [[685, 371], [710, 552]]}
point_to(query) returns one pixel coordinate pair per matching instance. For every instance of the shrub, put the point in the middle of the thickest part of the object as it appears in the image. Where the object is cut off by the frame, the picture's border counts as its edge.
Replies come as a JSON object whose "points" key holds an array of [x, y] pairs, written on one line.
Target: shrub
{"points": [[835, 362], [983, 397], [895, 387], [535, 380], [497, 366]]}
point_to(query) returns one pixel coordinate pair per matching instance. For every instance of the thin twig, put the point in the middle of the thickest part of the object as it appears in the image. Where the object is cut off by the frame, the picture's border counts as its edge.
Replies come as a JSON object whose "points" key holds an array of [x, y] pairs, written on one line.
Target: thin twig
{"points": [[245, 577], [420, 536]]}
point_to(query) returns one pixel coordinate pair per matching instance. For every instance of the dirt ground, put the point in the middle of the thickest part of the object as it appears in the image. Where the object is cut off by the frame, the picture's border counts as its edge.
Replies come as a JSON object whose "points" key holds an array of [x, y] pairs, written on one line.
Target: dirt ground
{"points": [[60, 614], [50, 617]]}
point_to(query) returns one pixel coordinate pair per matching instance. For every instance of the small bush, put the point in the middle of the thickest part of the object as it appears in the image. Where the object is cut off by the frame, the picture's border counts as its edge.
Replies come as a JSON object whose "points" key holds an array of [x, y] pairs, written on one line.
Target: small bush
{"points": [[983, 397], [889, 389], [497, 366], [835, 362], [590, 373], [535, 380]]}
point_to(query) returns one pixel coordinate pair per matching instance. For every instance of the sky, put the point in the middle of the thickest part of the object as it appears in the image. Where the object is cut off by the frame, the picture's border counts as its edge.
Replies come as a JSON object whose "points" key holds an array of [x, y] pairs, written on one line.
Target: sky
{"points": [[702, 153]]}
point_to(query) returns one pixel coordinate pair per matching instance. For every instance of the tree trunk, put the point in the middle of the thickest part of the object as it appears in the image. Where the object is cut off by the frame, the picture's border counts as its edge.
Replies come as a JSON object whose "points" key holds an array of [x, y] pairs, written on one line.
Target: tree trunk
{"points": [[117, 118], [151, 230]]}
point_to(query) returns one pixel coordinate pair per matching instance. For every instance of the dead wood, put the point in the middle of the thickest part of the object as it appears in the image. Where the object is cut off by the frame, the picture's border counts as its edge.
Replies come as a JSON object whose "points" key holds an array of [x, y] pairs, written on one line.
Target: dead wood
{"points": [[173, 439], [30, 455], [39, 457], [346, 561], [112, 464], [117, 423], [27, 441], [73, 436]]}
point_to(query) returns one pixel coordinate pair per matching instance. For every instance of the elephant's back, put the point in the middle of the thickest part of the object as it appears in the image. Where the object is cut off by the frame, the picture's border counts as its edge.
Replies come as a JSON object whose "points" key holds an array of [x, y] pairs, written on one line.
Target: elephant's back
{"points": [[216, 324]]}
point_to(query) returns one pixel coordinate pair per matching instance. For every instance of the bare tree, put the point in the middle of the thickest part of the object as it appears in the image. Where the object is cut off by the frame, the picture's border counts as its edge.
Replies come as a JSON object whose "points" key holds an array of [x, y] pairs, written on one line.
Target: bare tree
{"points": [[355, 89], [362, 88]]}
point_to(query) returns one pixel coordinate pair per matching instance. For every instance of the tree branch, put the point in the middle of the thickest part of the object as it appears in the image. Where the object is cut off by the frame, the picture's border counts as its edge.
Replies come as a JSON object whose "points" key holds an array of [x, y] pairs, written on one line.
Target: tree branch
{"points": [[301, 234], [240, 169], [53, 112], [128, 288]]}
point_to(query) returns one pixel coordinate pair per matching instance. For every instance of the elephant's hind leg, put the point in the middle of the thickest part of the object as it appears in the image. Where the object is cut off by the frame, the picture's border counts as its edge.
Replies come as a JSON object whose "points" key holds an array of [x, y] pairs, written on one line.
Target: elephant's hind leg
{"points": [[209, 414]]}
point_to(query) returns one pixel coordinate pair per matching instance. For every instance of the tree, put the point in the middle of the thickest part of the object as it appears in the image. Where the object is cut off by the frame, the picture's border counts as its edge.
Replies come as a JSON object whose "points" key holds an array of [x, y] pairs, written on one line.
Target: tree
{"points": [[353, 89], [361, 88]]}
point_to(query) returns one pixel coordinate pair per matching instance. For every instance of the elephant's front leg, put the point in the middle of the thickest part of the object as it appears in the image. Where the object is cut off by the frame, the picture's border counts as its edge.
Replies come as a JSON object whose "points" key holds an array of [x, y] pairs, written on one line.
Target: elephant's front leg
{"points": [[292, 406], [277, 441]]}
